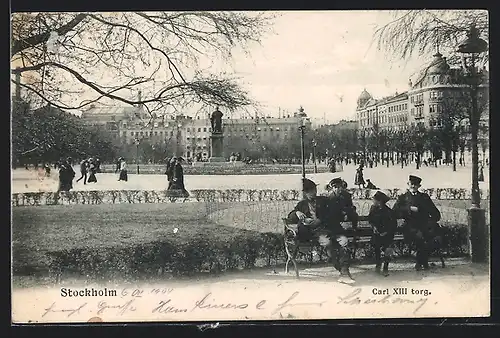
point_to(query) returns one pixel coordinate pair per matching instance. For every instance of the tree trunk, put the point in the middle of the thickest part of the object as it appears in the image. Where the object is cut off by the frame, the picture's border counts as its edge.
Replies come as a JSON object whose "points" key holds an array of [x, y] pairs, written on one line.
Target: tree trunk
{"points": [[417, 160], [454, 161]]}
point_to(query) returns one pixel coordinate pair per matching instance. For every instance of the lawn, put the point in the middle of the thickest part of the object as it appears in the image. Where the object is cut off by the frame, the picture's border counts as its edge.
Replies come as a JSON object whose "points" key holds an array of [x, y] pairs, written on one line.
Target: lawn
{"points": [[38, 230]]}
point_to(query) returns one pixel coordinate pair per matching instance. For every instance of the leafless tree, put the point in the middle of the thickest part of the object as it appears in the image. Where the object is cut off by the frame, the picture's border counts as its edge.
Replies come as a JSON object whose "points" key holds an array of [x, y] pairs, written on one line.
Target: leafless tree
{"points": [[113, 56], [421, 32]]}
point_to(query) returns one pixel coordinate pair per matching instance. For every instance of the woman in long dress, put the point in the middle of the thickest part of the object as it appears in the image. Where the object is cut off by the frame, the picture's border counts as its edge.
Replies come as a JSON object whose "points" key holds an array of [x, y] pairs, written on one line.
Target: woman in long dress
{"points": [[123, 170], [358, 179], [92, 171], [177, 188]]}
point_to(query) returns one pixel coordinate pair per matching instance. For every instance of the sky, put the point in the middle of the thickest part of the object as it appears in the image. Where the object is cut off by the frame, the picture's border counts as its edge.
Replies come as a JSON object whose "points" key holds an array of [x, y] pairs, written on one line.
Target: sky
{"points": [[321, 60]]}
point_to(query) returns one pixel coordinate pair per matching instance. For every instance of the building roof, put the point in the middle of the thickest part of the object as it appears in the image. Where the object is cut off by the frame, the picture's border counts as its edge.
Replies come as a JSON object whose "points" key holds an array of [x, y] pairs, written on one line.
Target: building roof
{"points": [[364, 95], [438, 65], [114, 111]]}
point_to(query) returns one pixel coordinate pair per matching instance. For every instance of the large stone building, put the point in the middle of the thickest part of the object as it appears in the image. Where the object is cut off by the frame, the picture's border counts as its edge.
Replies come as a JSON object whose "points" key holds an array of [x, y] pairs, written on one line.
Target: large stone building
{"points": [[190, 136], [422, 103]]}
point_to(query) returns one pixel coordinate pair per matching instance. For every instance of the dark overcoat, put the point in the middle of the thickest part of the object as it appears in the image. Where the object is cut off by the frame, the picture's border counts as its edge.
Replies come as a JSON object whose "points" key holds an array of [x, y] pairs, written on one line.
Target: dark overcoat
{"points": [[424, 219]]}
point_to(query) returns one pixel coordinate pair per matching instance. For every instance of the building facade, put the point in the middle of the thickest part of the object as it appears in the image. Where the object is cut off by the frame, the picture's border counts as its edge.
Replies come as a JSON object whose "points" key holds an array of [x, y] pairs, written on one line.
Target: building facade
{"points": [[423, 103], [188, 136]]}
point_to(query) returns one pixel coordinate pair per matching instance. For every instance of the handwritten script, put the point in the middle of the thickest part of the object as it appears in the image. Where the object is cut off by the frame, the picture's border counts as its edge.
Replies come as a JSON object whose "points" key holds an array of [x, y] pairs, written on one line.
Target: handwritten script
{"points": [[168, 302], [353, 298]]}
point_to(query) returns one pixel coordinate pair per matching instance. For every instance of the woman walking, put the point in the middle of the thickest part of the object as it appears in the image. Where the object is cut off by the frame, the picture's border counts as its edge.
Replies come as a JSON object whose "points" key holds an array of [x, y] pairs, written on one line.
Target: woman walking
{"points": [[177, 187], [92, 171], [358, 179], [123, 170]]}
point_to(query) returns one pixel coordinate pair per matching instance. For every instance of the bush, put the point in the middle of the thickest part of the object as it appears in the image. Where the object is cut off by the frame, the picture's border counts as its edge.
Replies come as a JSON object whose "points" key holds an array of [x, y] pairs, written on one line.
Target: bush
{"points": [[228, 169], [204, 254], [205, 195]]}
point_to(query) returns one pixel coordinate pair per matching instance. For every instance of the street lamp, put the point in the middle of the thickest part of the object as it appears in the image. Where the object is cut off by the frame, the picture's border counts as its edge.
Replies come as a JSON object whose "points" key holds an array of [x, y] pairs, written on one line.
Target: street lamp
{"points": [[472, 47], [314, 144], [178, 139], [302, 129], [137, 141]]}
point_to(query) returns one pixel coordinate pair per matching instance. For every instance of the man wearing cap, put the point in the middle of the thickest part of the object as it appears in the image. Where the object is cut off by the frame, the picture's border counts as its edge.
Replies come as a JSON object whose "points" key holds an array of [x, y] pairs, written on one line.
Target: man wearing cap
{"points": [[341, 209], [312, 214], [420, 215]]}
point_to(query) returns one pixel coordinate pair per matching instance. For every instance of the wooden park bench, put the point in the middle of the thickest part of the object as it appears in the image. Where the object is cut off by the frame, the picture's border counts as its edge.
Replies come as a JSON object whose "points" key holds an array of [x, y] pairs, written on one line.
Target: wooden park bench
{"points": [[362, 234]]}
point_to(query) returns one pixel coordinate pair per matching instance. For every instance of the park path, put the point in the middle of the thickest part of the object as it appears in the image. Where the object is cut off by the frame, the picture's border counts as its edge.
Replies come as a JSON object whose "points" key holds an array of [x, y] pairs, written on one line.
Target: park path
{"points": [[385, 178]]}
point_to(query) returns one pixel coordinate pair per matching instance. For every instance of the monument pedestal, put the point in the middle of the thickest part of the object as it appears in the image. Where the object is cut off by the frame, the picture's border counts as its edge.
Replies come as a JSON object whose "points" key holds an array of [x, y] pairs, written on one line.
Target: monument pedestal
{"points": [[216, 146]]}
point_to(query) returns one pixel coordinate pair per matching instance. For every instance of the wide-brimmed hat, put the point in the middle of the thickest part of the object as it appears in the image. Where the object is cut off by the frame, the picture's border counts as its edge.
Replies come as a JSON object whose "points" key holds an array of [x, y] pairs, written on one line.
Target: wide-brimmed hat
{"points": [[337, 181], [308, 185]]}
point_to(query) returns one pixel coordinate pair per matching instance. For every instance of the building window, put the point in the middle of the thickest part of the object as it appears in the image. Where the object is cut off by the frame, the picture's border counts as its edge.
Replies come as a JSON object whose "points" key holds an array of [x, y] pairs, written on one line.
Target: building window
{"points": [[131, 133], [204, 129], [199, 129], [188, 130], [156, 133]]}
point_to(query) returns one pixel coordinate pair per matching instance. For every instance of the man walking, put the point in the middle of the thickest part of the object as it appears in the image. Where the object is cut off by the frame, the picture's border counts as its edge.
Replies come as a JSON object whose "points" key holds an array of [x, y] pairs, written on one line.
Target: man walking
{"points": [[84, 165], [420, 215]]}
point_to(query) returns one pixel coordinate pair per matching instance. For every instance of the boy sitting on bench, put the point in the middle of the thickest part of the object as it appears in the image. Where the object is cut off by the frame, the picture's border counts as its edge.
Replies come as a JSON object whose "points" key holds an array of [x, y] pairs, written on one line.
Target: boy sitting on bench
{"points": [[384, 224]]}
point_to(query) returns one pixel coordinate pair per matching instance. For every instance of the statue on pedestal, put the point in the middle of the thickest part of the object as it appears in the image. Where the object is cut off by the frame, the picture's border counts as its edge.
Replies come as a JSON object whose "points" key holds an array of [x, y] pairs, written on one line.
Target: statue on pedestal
{"points": [[216, 120]]}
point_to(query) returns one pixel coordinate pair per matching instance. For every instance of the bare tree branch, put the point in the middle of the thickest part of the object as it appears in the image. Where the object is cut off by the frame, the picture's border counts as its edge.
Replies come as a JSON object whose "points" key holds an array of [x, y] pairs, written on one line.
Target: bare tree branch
{"points": [[30, 41], [422, 32], [122, 45]]}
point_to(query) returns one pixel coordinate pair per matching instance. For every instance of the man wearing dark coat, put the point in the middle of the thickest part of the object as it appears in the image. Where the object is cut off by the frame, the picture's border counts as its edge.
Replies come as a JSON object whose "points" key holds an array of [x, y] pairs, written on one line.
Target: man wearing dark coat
{"points": [[311, 213], [421, 217], [342, 209], [384, 224], [314, 214]]}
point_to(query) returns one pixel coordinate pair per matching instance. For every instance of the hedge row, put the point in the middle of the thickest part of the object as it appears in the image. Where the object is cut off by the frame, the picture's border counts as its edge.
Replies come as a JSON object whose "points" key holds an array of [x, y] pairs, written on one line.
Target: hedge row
{"points": [[203, 195], [208, 255], [228, 169]]}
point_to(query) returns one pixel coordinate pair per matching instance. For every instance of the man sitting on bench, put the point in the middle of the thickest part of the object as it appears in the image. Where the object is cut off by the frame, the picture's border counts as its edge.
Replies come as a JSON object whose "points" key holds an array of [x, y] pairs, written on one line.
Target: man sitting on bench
{"points": [[313, 214], [421, 217]]}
